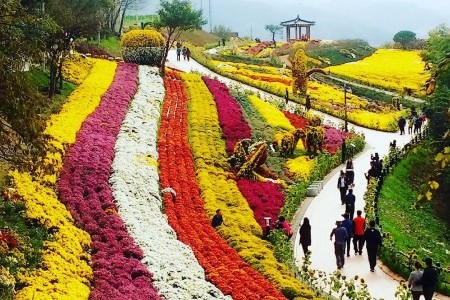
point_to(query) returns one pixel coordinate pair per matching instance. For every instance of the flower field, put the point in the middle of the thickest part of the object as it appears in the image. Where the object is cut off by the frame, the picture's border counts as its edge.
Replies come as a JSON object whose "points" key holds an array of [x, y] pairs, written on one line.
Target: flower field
{"points": [[123, 134], [388, 69]]}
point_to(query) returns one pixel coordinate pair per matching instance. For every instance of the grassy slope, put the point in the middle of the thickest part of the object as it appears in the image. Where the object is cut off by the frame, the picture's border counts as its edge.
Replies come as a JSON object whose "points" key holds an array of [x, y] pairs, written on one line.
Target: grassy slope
{"points": [[199, 37], [413, 228], [111, 45]]}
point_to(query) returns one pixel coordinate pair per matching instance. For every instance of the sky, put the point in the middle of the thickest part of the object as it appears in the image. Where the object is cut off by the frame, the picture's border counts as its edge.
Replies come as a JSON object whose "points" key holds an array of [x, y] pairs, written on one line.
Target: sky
{"points": [[375, 21]]}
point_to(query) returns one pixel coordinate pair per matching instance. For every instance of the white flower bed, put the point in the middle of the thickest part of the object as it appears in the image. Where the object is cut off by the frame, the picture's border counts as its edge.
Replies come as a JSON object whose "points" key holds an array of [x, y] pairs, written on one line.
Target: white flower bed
{"points": [[135, 187]]}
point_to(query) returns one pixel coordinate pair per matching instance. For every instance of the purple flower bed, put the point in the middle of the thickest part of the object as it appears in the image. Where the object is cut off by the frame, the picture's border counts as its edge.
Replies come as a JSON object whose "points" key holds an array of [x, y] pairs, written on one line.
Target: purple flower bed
{"points": [[233, 125], [84, 188], [264, 198]]}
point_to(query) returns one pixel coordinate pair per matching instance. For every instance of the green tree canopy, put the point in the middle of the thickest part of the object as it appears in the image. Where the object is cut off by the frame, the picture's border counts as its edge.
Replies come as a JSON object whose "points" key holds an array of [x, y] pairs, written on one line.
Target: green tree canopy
{"points": [[405, 38], [222, 32], [274, 29], [175, 17]]}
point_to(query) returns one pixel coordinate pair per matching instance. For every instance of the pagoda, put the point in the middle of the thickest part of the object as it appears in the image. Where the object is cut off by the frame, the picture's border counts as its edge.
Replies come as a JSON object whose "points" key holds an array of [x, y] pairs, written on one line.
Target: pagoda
{"points": [[297, 24]]}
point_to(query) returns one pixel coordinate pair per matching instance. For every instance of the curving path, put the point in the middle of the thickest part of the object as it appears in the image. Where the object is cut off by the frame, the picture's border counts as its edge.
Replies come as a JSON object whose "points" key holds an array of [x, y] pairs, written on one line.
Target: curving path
{"points": [[326, 208]]}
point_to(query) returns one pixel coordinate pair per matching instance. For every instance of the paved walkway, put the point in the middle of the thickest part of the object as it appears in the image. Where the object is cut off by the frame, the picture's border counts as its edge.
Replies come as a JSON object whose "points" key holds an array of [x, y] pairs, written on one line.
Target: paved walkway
{"points": [[326, 208]]}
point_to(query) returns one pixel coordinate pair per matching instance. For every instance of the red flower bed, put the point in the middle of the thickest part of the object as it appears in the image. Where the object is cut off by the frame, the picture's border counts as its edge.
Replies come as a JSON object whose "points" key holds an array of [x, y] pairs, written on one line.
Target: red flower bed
{"points": [[84, 188], [254, 50], [296, 120], [230, 115], [264, 198], [185, 211]]}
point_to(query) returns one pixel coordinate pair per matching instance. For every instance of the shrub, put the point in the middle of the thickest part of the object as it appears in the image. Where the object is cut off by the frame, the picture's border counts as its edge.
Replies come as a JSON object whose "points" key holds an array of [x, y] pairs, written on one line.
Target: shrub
{"points": [[142, 38], [143, 47]]}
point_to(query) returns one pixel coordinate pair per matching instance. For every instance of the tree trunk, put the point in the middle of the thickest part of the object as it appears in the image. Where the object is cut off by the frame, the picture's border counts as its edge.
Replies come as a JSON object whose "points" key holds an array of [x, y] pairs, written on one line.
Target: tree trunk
{"points": [[53, 71], [166, 52], [122, 17], [60, 76]]}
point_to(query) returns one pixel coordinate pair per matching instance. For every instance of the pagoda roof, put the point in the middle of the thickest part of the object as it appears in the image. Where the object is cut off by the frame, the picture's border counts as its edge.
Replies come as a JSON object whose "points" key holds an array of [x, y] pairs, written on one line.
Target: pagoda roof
{"points": [[297, 21]]}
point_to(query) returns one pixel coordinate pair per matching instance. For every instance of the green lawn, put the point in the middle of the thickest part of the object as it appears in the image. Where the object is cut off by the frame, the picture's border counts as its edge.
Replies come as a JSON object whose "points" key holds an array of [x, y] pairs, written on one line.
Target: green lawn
{"points": [[111, 45], [412, 228]]}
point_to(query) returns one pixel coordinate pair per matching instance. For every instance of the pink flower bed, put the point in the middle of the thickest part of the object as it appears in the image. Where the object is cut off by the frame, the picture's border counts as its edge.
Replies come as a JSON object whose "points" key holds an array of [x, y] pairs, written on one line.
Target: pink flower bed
{"points": [[264, 198], [84, 188], [333, 139], [231, 120]]}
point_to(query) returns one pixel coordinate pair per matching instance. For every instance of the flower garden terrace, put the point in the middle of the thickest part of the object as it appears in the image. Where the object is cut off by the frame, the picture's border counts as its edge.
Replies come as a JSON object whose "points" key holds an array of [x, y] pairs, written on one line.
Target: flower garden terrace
{"points": [[329, 98], [114, 234]]}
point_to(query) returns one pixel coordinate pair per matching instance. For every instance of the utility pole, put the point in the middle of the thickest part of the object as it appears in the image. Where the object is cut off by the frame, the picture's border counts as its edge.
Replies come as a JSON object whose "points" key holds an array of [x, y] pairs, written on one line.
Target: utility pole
{"points": [[210, 19], [251, 33]]}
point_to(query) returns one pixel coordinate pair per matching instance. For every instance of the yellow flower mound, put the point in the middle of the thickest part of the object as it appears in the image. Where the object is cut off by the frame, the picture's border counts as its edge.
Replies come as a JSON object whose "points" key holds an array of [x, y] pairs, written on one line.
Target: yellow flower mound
{"points": [[76, 68], [142, 38], [272, 115], [65, 271], [301, 167], [220, 191], [389, 69]]}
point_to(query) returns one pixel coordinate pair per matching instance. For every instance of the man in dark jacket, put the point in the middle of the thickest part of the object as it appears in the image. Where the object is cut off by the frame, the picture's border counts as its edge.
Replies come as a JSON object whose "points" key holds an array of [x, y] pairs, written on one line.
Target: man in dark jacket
{"points": [[401, 125], [217, 220], [340, 237], [342, 185], [372, 237], [350, 204], [429, 279], [348, 225]]}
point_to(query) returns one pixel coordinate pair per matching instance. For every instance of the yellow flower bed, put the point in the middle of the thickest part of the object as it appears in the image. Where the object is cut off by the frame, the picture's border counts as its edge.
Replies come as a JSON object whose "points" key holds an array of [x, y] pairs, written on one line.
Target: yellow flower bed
{"points": [[272, 115], [220, 191], [389, 69], [300, 166], [77, 68], [65, 271]]}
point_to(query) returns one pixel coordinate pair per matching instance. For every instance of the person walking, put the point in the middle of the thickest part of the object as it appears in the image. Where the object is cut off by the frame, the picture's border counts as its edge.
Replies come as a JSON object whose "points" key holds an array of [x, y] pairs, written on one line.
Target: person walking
{"points": [[372, 237], [350, 204], [305, 235], [188, 54], [342, 185], [401, 125], [183, 52], [348, 225], [349, 172], [340, 237], [217, 220], [286, 97], [359, 224], [308, 102], [414, 278], [410, 125], [429, 279]]}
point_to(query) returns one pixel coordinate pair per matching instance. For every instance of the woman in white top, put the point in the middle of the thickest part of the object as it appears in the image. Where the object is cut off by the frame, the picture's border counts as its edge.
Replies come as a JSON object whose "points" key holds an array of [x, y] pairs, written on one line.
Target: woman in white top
{"points": [[416, 289]]}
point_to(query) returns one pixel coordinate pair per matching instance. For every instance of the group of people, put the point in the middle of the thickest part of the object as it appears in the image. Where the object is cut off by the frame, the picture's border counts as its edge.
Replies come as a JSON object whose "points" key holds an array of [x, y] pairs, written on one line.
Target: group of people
{"points": [[376, 167], [345, 185], [423, 282], [183, 51], [414, 121]]}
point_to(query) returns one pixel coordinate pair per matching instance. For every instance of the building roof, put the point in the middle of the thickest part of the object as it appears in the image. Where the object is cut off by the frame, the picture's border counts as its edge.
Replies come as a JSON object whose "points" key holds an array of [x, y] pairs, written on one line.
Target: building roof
{"points": [[297, 21]]}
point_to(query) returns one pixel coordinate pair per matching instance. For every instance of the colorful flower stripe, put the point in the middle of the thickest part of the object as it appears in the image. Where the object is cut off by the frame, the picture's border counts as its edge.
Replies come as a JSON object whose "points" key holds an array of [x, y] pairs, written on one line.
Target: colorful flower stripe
{"points": [[333, 139], [233, 125], [273, 116], [220, 192], [83, 186], [300, 167], [264, 198], [135, 187], [185, 212], [66, 273], [76, 68], [265, 78], [296, 120], [62, 127]]}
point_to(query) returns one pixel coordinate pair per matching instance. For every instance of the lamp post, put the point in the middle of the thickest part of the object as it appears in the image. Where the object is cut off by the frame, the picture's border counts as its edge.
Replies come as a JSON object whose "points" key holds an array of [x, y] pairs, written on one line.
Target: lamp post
{"points": [[346, 89]]}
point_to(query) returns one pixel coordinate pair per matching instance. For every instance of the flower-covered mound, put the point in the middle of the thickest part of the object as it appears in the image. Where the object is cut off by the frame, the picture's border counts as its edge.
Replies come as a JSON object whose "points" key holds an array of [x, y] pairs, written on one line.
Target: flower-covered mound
{"points": [[76, 68], [65, 272], [185, 207], [221, 192], [83, 186], [388, 69], [135, 187]]}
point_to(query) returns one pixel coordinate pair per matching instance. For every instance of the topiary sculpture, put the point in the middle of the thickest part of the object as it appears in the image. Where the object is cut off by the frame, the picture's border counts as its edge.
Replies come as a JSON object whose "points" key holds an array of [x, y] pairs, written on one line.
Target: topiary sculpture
{"points": [[144, 47]]}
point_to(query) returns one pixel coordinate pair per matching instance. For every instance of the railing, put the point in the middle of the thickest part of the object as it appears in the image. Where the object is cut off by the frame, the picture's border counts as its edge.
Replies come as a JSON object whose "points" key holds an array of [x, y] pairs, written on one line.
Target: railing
{"points": [[405, 260]]}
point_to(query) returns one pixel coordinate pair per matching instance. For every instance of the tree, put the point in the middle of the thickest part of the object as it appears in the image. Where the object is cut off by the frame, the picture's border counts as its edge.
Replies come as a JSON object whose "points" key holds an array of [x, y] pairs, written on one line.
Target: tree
{"points": [[22, 41], [222, 32], [175, 17], [405, 38], [274, 29]]}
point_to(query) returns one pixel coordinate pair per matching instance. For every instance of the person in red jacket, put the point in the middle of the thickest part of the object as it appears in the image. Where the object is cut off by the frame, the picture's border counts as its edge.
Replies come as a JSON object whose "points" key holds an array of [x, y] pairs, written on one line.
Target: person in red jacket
{"points": [[359, 225]]}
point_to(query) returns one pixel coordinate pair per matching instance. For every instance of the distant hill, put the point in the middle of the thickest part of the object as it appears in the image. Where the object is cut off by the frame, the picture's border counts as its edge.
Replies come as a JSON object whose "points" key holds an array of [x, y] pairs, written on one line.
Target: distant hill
{"points": [[199, 37]]}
